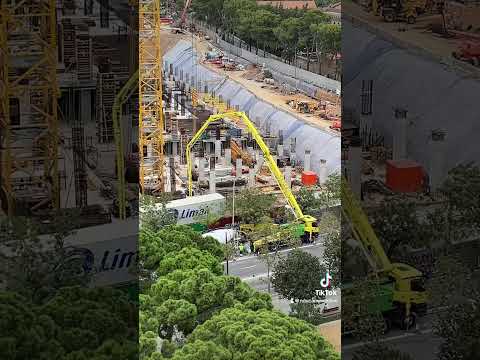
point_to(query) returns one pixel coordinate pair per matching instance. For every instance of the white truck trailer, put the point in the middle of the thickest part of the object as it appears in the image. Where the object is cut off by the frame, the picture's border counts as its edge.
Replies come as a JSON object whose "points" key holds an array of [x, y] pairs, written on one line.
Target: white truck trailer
{"points": [[194, 209]]}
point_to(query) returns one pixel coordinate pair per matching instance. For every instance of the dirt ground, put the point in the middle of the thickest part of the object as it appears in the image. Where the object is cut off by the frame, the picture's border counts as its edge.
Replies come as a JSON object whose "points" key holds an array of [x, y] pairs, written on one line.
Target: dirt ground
{"points": [[260, 89], [332, 333], [417, 35]]}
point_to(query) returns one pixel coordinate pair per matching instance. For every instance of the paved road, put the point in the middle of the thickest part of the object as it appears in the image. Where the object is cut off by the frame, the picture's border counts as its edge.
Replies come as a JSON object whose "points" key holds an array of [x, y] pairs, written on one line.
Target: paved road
{"points": [[420, 343], [250, 267], [254, 272]]}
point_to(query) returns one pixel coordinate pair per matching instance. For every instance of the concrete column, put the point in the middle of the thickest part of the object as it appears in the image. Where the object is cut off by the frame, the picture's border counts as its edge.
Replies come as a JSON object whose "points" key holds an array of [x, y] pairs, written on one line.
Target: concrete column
{"points": [[307, 160], [436, 156], [293, 159], [228, 156], [288, 175], [218, 149], [238, 168], [194, 119], [355, 167], [400, 135], [251, 177], [280, 150], [260, 162], [201, 169], [323, 172], [212, 178], [174, 148]]}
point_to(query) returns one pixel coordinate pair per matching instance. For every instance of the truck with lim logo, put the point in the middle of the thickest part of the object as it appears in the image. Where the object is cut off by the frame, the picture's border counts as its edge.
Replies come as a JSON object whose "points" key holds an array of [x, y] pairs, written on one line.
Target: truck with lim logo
{"points": [[195, 210]]}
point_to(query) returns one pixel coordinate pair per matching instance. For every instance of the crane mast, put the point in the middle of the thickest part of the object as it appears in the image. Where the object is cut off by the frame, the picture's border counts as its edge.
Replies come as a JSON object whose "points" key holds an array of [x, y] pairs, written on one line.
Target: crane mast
{"points": [[151, 124]]}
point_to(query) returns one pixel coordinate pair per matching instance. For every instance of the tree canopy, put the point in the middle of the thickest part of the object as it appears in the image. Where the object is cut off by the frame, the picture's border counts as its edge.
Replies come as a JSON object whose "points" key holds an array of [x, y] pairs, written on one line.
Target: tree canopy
{"points": [[277, 30], [77, 323], [297, 276], [253, 335]]}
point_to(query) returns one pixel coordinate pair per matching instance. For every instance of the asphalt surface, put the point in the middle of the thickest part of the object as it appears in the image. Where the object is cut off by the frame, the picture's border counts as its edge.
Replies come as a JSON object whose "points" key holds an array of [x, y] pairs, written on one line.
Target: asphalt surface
{"points": [[254, 272], [419, 343], [250, 267]]}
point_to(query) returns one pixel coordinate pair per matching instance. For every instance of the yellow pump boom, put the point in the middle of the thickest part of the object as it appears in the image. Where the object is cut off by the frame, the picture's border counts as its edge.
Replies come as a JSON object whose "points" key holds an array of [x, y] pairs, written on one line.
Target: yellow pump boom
{"points": [[408, 289], [308, 220]]}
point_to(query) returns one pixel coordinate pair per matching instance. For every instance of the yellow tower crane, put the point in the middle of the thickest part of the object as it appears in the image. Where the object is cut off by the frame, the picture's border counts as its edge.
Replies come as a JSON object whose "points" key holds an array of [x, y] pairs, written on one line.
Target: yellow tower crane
{"points": [[28, 65], [151, 124]]}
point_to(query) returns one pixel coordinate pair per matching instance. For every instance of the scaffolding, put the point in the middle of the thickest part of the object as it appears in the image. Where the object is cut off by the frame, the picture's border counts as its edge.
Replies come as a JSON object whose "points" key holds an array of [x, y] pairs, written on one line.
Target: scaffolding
{"points": [[29, 141], [151, 125]]}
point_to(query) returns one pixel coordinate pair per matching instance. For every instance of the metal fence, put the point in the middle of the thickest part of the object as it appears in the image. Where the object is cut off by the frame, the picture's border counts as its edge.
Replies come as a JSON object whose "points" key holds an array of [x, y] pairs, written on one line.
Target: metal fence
{"points": [[301, 79]]}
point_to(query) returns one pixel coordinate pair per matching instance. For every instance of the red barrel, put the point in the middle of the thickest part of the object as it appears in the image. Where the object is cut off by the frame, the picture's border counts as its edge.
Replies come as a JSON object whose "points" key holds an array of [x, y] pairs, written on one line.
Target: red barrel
{"points": [[309, 178]]}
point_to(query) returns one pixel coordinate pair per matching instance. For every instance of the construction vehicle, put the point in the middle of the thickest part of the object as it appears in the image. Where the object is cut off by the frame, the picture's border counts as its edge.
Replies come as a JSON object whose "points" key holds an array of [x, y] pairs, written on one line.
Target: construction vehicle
{"points": [[468, 51], [307, 225], [306, 107], [336, 125], [401, 294], [401, 10], [237, 152], [407, 10]]}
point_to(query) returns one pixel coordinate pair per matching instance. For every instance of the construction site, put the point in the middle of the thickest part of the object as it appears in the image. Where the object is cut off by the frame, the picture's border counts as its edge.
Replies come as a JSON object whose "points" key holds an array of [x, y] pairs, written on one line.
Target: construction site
{"points": [[64, 64], [301, 133]]}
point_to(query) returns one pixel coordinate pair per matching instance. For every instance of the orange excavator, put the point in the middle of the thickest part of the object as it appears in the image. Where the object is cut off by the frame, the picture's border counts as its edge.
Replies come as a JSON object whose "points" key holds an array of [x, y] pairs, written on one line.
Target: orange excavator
{"points": [[238, 152]]}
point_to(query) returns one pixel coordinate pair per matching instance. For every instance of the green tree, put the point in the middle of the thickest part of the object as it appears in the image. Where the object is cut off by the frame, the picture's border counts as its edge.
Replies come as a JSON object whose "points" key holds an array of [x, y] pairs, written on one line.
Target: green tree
{"points": [[268, 239], [36, 264], [180, 300], [253, 206], [361, 312], [460, 330], [189, 259], [253, 335], [76, 323], [297, 276], [332, 255], [462, 189], [327, 39], [288, 33], [153, 212], [454, 285], [155, 245], [397, 225]]}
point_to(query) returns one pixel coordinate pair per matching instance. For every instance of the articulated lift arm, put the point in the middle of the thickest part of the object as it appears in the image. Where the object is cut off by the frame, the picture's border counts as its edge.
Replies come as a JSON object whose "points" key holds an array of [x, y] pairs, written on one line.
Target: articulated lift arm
{"points": [[362, 229], [306, 219]]}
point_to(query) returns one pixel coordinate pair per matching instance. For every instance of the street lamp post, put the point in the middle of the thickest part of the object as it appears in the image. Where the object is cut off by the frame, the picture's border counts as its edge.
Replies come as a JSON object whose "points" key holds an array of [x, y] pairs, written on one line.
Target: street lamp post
{"points": [[233, 222]]}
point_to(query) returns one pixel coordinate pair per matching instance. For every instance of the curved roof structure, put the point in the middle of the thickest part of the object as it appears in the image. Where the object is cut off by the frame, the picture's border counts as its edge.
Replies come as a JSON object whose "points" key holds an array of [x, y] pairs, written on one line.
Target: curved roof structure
{"points": [[324, 145], [434, 96]]}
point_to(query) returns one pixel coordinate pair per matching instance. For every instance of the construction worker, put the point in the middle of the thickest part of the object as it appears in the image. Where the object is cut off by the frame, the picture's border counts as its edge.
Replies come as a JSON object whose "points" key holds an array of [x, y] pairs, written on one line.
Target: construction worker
{"points": [[242, 249]]}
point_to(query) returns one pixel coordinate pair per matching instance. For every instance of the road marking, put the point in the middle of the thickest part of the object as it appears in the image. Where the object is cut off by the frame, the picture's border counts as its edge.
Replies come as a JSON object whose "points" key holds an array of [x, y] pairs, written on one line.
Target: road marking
{"points": [[247, 267]]}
